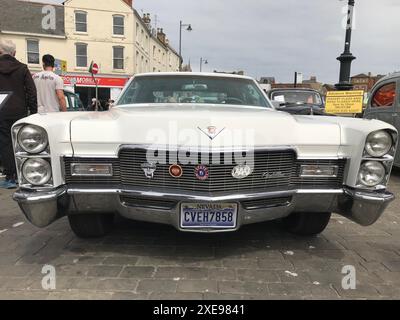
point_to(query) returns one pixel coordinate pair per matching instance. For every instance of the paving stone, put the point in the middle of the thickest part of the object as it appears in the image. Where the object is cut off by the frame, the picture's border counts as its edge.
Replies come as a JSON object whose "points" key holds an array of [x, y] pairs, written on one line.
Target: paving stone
{"points": [[196, 286], [137, 272], [104, 271], [149, 286], [221, 274], [181, 273], [240, 287], [257, 275]]}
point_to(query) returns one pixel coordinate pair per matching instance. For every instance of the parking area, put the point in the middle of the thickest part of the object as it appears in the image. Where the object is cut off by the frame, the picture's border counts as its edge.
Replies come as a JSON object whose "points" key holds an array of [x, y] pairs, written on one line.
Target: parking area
{"points": [[149, 261]]}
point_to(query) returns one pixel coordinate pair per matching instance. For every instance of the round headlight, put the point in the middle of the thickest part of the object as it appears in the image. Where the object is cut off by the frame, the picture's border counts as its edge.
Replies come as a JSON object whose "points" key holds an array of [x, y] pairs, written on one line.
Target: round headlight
{"points": [[32, 139], [36, 171], [378, 143], [371, 173]]}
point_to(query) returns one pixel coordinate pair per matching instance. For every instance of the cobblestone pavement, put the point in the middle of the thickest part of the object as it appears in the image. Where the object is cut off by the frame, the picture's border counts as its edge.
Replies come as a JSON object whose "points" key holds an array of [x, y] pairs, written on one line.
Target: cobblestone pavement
{"points": [[147, 261]]}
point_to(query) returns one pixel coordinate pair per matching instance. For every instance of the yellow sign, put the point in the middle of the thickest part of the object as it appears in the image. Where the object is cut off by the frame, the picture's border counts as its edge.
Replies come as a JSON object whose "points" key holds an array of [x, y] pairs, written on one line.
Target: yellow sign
{"points": [[60, 66], [344, 101]]}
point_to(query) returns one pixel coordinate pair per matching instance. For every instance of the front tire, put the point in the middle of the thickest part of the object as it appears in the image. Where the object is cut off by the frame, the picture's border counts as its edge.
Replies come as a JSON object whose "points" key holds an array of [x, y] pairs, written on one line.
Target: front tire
{"points": [[91, 225], [307, 223]]}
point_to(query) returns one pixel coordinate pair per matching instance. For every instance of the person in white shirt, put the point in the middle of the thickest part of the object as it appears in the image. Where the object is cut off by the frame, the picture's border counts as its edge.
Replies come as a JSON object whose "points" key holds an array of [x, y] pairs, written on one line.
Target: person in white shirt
{"points": [[50, 88]]}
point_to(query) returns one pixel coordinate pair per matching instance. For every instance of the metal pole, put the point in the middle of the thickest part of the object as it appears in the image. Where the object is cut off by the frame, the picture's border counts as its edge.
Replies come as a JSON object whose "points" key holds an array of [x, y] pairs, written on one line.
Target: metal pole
{"points": [[201, 64], [295, 79], [180, 45], [346, 58]]}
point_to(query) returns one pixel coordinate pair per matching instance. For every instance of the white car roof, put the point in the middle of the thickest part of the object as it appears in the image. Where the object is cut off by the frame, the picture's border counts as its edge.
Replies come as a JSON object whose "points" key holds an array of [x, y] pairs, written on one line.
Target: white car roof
{"points": [[201, 74]]}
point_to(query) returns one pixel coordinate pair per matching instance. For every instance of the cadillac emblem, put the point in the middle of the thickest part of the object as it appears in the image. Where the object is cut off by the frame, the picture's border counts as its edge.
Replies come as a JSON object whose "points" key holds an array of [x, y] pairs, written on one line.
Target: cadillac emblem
{"points": [[175, 171], [211, 132], [241, 171], [201, 172], [149, 169]]}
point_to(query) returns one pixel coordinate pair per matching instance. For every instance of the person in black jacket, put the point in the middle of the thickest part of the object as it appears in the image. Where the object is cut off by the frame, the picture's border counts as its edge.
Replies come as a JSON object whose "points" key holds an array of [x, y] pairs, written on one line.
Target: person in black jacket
{"points": [[15, 78]]}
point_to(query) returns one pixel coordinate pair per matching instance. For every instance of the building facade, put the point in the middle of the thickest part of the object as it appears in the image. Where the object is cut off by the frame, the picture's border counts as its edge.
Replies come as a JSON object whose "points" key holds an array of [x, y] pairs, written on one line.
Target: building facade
{"points": [[365, 82], [108, 32]]}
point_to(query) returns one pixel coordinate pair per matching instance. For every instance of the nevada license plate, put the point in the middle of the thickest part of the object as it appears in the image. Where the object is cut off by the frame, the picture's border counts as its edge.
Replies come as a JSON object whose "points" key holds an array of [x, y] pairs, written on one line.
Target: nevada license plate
{"points": [[209, 215]]}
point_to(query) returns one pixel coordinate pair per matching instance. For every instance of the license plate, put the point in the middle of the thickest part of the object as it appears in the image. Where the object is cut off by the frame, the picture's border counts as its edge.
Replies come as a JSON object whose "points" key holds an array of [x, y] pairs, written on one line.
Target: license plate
{"points": [[209, 215]]}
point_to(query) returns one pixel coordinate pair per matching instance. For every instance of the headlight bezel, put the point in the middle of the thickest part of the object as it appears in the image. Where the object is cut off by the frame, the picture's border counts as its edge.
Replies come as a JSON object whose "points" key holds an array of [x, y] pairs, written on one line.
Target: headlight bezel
{"points": [[381, 182], [44, 147], [390, 150], [386, 160], [26, 182]]}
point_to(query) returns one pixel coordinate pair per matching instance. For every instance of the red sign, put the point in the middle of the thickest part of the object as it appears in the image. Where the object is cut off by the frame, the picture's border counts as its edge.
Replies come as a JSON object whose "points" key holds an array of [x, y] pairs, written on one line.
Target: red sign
{"points": [[87, 81], [95, 68]]}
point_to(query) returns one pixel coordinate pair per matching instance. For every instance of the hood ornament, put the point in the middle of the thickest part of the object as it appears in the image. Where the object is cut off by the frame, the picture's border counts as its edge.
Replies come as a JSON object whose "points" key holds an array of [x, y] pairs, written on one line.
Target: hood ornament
{"points": [[211, 132]]}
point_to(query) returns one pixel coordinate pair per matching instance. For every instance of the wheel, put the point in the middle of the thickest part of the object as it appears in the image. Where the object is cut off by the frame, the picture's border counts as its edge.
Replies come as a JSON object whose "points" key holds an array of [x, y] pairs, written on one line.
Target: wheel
{"points": [[307, 223], [91, 225]]}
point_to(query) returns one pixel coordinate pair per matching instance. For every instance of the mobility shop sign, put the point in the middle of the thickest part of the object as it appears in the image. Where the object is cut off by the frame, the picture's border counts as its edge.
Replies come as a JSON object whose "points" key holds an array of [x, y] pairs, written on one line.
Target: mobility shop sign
{"points": [[88, 81]]}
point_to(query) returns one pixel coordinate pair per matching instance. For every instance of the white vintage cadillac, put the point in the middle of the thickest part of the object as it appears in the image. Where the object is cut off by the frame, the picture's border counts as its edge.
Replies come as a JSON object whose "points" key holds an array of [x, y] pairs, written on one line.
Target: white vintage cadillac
{"points": [[203, 153]]}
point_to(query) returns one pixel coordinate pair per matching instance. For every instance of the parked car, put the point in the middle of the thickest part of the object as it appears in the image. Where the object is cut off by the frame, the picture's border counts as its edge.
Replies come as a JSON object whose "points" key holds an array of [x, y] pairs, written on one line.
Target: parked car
{"points": [[73, 101], [384, 104], [298, 101], [164, 154]]}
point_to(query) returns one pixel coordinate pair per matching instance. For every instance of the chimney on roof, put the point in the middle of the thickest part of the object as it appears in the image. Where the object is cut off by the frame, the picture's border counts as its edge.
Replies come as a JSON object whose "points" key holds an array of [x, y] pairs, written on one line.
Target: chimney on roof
{"points": [[146, 18], [313, 79], [162, 36], [129, 3]]}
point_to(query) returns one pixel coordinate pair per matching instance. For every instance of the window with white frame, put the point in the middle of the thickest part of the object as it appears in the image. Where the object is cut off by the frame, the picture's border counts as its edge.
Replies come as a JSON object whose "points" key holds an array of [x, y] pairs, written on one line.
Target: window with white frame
{"points": [[118, 25], [81, 55], [118, 58], [80, 21], [33, 51]]}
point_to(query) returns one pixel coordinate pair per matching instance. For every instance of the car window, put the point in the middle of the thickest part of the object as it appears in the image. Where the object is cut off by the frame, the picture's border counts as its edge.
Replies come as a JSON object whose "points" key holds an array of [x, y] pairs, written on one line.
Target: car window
{"points": [[384, 96], [193, 89], [297, 97]]}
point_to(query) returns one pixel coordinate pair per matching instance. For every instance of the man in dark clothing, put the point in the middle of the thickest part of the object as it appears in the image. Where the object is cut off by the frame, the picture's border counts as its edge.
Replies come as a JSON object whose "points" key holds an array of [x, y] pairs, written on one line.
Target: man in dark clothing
{"points": [[15, 78]]}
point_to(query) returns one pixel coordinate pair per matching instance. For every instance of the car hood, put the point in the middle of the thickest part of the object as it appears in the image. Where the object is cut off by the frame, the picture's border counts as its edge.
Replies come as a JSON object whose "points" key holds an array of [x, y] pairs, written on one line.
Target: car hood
{"points": [[189, 125]]}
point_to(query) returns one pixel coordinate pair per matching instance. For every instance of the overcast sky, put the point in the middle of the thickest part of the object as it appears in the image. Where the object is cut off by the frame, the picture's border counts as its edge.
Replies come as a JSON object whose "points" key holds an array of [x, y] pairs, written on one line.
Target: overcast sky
{"points": [[277, 38]]}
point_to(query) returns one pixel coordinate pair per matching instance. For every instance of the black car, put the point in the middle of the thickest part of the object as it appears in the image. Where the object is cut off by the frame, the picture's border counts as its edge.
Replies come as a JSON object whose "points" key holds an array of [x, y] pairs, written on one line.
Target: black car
{"points": [[298, 101]]}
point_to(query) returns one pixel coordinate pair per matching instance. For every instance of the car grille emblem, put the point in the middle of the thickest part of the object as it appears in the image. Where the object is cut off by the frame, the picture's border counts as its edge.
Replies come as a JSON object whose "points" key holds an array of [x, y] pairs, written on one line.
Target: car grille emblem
{"points": [[274, 175], [175, 171], [211, 132], [149, 169], [241, 171], [201, 172]]}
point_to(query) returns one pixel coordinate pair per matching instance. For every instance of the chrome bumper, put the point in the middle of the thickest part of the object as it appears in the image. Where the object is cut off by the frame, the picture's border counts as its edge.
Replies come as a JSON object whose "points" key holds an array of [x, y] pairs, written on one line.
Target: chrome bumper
{"points": [[43, 208]]}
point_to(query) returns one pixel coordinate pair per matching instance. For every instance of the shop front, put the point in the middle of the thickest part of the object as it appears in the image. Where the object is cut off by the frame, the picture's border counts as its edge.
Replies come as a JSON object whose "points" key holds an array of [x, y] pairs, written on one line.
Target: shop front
{"points": [[85, 87]]}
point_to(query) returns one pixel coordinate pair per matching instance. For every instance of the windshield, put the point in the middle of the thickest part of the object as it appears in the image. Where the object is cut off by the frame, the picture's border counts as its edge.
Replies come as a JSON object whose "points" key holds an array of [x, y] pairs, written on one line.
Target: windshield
{"points": [[297, 97], [193, 89]]}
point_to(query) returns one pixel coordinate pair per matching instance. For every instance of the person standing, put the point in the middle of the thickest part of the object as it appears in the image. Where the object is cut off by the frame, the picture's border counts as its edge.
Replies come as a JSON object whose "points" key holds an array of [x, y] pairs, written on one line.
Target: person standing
{"points": [[16, 78], [50, 88]]}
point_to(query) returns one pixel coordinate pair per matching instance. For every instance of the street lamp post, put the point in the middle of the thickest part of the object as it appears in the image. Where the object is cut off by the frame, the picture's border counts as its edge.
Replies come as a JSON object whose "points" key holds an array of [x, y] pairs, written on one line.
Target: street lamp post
{"points": [[346, 58], [188, 28], [202, 60]]}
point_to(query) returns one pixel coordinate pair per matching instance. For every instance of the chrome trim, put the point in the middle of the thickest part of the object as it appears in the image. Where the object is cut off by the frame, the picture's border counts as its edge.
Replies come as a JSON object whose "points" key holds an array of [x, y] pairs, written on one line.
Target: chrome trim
{"points": [[109, 165], [167, 147], [335, 167], [43, 208]]}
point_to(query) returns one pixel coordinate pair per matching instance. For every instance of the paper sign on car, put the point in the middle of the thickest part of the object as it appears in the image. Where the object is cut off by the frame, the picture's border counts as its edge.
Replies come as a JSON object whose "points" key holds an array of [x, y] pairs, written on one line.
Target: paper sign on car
{"points": [[344, 101]]}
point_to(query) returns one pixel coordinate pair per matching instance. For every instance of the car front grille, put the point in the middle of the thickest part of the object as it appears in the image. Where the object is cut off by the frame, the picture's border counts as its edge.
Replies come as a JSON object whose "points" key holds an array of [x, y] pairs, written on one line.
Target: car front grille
{"points": [[274, 170]]}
